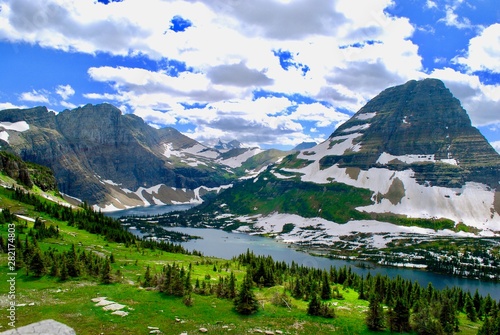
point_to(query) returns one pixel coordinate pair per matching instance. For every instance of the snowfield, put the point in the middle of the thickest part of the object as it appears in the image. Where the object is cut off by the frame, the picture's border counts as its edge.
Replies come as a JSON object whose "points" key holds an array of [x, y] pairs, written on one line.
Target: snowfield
{"points": [[19, 126], [319, 231]]}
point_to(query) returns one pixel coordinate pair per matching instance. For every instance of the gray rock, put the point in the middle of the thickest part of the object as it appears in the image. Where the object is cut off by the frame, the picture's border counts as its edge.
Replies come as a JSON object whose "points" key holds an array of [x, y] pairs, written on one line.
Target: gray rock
{"points": [[45, 327]]}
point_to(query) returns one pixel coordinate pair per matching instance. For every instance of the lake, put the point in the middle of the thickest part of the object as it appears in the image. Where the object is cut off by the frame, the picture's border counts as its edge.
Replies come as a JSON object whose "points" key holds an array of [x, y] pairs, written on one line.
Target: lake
{"points": [[219, 243]]}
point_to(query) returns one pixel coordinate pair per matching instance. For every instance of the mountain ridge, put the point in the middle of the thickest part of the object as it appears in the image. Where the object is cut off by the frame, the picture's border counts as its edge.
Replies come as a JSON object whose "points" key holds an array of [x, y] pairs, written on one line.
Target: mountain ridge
{"points": [[116, 160]]}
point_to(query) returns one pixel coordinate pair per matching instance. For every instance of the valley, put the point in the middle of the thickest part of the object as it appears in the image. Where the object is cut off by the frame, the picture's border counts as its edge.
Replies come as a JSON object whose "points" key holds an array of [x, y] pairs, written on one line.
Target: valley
{"points": [[134, 267]]}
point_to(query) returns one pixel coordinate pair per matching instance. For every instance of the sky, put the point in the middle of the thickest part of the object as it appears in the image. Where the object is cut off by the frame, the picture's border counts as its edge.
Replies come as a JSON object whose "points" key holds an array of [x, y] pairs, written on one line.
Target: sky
{"points": [[268, 73]]}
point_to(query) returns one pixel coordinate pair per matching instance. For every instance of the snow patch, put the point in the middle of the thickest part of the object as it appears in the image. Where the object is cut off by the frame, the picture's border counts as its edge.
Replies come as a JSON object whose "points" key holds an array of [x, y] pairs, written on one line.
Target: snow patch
{"points": [[19, 126], [356, 128], [169, 151], [385, 158], [237, 161], [337, 145], [366, 116]]}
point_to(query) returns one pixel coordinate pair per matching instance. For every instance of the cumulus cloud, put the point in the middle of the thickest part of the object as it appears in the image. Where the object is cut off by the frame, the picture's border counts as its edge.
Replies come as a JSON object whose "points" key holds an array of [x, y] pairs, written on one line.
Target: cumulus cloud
{"points": [[237, 75], [65, 91], [452, 19], [8, 105], [35, 96], [484, 51]]}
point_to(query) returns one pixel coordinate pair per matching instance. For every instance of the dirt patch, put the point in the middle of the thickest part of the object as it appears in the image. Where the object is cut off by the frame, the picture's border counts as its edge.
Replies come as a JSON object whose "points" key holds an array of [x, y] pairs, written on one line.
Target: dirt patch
{"points": [[353, 172], [496, 202], [396, 192]]}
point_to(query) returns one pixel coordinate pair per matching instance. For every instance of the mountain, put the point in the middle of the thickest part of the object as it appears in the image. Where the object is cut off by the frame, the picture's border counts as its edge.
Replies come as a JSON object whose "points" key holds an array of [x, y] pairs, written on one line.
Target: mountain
{"points": [[116, 160], [409, 162], [304, 145], [219, 145]]}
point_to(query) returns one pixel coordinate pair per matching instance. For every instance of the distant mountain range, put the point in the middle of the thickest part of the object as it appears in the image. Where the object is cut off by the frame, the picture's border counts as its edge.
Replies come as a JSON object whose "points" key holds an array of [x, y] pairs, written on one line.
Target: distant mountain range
{"points": [[117, 161]]}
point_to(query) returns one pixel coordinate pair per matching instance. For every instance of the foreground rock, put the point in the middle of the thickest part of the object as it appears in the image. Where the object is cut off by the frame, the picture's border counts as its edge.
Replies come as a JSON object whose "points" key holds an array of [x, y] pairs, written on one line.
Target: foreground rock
{"points": [[42, 328]]}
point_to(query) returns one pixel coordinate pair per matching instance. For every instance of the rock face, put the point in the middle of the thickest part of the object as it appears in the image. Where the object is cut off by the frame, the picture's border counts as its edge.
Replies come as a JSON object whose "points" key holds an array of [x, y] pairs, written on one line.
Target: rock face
{"points": [[96, 153]]}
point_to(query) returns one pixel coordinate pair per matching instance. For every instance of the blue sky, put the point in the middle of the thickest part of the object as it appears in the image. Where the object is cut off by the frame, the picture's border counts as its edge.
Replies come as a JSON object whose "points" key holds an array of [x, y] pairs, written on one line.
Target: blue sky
{"points": [[269, 73]]}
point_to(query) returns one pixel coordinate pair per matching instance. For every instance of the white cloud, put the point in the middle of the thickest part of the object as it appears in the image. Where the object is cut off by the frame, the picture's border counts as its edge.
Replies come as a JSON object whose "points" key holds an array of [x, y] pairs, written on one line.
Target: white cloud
{"points": [[65, 91], [484, 51], [430, 4], [452, 19], [35, 96], [67, 105], [8, 105]]}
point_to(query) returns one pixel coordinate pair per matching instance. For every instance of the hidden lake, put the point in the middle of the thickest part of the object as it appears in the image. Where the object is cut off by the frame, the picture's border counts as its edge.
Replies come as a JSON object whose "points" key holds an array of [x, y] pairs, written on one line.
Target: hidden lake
{"points": [[225, 245]]}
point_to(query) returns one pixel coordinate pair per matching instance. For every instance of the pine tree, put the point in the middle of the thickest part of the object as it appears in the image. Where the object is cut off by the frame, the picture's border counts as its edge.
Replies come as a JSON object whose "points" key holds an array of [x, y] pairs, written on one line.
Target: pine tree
{"points": [[423, 320], [106, 277], [375, 317], [231, 294], [245, 302], [36, 264], [399, 317], [314, 306], [470, 310], [147, 278], [326, 290], [448, 316]]}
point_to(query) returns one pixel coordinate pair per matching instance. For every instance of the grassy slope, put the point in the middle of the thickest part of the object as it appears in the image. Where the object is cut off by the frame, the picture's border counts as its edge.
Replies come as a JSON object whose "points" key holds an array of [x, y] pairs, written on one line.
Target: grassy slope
{"points": [[70, 302]]}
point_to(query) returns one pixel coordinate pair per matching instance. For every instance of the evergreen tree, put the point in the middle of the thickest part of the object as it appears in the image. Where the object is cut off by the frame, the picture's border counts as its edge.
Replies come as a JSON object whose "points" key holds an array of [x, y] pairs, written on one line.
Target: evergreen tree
{"points": [[231, 290], [362, 293], [106, 277], [245, 302], [423, 319], [36, 264], [63, 274], [470, 310], [399, 317], [375, 317], [147, 278], [314, 306], [448, 316], [326, 290]]}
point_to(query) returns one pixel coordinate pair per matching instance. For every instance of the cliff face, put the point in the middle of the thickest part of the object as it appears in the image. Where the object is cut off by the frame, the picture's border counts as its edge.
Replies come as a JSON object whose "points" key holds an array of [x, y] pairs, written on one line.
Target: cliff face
{"points": [[95, 148]]}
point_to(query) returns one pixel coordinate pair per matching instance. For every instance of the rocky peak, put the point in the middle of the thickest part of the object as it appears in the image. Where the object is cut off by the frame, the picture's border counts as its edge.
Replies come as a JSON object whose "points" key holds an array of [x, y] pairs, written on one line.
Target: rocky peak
{"points": [[412, 126]]}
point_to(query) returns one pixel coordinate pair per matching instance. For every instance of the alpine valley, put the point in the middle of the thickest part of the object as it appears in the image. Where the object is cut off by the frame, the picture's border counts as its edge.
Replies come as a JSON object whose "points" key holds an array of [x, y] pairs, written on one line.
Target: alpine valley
{"points": [[405, 173]]}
